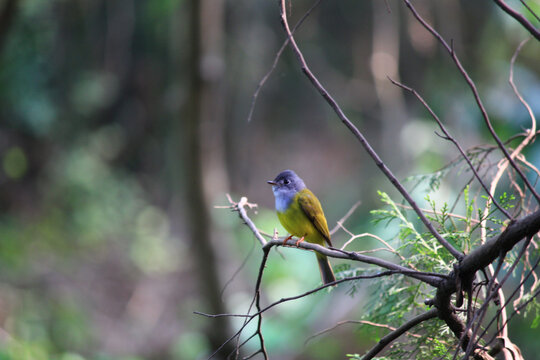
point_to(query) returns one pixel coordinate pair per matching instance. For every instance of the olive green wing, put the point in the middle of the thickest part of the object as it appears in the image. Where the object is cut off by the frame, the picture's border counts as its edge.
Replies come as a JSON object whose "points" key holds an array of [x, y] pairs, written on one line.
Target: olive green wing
{"points": [[313, 210]]}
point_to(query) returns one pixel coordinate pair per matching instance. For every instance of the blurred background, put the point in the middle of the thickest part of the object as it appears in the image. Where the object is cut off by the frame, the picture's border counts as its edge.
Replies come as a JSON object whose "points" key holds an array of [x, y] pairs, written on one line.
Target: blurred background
{"points": [[124, 123]]}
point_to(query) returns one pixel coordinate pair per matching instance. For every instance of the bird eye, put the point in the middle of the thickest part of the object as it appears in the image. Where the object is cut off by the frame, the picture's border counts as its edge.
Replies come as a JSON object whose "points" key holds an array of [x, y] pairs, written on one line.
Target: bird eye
{"points": [[286, 181]]}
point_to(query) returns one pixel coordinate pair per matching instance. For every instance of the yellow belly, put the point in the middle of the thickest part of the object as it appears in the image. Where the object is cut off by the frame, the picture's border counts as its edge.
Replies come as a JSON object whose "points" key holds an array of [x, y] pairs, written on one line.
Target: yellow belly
{"points": [[295, 221]]}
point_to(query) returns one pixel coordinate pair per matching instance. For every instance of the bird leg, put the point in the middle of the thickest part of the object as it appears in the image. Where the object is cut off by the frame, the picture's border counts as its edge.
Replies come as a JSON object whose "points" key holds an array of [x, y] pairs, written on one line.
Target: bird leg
{"points": [[299, 241], [287, 239]]}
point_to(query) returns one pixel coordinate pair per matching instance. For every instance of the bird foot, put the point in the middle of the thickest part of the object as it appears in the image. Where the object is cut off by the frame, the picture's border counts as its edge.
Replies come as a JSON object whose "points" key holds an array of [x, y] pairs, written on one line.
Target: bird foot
{"points": [[287, 239], [299, 241]]}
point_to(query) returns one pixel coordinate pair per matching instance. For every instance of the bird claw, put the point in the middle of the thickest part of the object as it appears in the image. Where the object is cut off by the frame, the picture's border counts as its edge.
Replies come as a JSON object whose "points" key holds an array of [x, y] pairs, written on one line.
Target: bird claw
{"points": [[299, 241], [287, 239]]}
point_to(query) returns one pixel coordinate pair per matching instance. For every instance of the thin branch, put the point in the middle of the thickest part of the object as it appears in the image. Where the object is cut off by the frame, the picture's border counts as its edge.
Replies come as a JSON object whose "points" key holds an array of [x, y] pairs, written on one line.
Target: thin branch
{"points": [[363, 141], [517, 309], [363, 322], [476, 95], [453, 141], [388, 247], [531, 133], [258, 303], [399, 331], [530, 10], [345, 217], [237, 271], [432, 279], [459, 217], [520, 18], [493, 288], [276, 59], [240, 207], [257, 314]]}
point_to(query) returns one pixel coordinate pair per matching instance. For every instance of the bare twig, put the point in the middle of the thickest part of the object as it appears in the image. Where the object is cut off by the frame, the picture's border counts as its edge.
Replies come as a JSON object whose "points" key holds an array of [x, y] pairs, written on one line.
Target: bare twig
{"points": [[259, 313], [517, 309], [530, 10], [492, 289], [363, 322], [237, 271], [258, 303], [476, 95], [399, 331], [240, 207], [358, 236], [520, 18], [276, 59], [345, 217], [450, 138]]}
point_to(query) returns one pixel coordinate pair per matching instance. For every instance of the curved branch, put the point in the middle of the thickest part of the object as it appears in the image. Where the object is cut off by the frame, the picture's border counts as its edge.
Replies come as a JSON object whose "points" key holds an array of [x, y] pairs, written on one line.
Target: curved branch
{"points": [[450, 138], [485, 254], [476, 95], [400, 331], [478, 259], [276, 59], [520, 18]]}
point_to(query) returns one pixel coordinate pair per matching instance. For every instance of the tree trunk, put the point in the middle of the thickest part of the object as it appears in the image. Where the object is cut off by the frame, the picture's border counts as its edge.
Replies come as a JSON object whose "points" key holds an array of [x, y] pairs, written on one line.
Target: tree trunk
{"points": [[199, 126]]}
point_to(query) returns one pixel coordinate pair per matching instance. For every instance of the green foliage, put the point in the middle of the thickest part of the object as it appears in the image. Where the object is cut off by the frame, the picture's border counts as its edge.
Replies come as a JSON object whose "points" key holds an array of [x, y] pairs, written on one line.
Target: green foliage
{"points": [[404, 297]]}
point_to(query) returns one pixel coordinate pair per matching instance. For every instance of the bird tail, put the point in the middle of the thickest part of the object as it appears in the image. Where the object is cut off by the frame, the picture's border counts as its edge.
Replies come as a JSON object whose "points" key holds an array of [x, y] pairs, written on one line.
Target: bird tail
{"points": [[327, 274]]}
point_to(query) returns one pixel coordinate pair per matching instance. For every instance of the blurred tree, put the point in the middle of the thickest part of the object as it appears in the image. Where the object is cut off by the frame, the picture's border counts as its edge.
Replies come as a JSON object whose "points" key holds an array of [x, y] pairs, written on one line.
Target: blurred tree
{"points": [[204, 123], [7, 14]]}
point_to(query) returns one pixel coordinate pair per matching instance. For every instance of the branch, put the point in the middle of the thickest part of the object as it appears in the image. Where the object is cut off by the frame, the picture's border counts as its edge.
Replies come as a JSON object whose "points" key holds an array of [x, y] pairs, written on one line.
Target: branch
{"points": [[485, 254], [276, 59], [476, 95], [520, 18], [454, 141], [432, 279], [493, 291], [507, 302], [530, 10], [240, 207], [363, 141], [258, 314], [479, 258], [258, 304], [399, 331], [341, 221]]}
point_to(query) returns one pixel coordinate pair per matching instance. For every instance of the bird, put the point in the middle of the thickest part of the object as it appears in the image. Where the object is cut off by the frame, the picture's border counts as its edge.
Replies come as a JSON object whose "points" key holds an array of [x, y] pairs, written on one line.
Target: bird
{"points": [[301, 214]]}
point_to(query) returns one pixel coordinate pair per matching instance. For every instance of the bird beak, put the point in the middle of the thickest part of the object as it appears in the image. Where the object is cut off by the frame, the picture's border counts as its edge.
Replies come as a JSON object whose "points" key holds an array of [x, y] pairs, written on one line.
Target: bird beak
{"points": [[273, 183]]}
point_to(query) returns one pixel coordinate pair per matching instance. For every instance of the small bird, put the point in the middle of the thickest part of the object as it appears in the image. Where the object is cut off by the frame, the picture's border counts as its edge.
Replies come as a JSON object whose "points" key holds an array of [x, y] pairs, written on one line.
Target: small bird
{"points": [[301, 214]]}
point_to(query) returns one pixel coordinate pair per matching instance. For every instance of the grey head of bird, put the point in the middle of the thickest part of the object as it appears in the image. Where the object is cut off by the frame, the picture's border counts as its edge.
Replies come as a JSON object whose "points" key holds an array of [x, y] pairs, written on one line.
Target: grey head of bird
{"points": [[285, 186]]}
